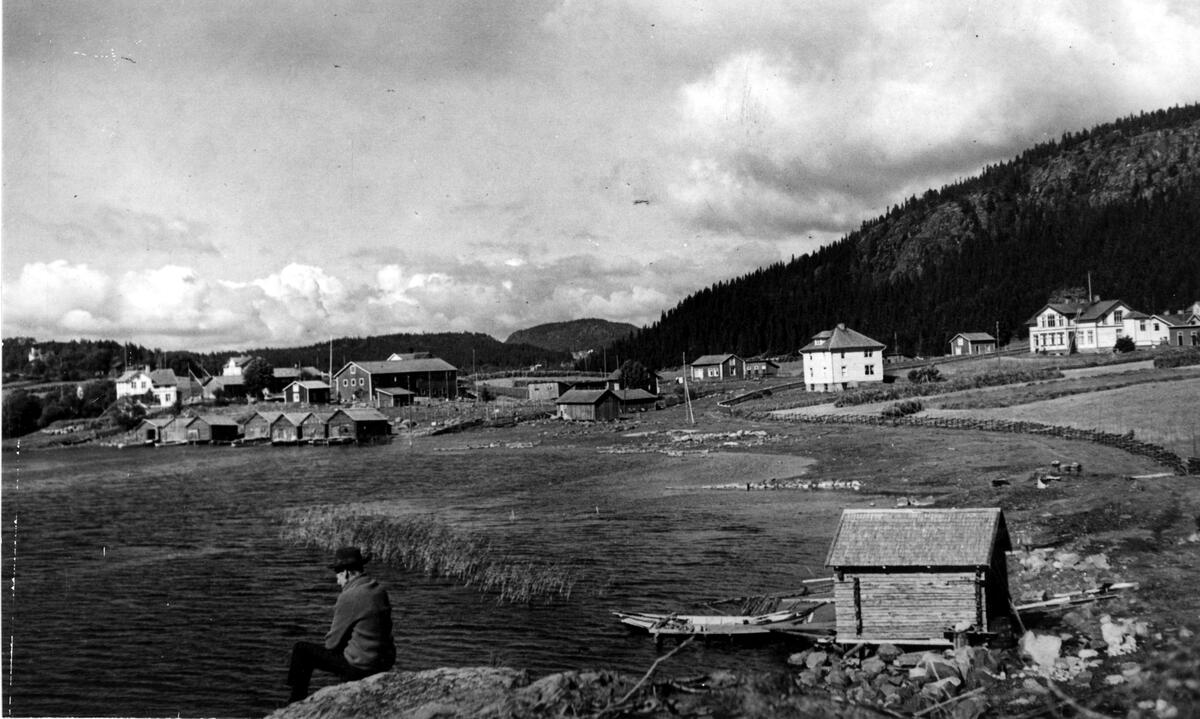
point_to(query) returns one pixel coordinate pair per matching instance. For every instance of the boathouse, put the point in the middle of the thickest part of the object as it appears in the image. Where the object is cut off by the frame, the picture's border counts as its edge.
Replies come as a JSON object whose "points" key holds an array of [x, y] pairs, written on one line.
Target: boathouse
{"points": [[914, 576], [588, 405], [150, 428], [357, 424], [200, 430], [296, 427], [258, 426]]}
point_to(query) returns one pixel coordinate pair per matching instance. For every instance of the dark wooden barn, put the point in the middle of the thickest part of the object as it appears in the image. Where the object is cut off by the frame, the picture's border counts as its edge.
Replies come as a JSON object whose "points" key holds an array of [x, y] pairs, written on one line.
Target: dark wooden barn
{"points": [[358, 424], [588, 405], [912, 576]]}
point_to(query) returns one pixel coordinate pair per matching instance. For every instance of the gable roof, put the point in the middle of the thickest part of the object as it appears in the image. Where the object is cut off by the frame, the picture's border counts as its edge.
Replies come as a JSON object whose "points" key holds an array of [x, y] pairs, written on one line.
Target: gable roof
{"points": [[1096, 310], [1069, 309], [308, 384], [217, 420], [918, 538], [583, 396], [634, 395], [294, 418], [362, 414], [975, 336], [285, 372], [705, 360], [269, 416], [432, 364], [841, 338]]}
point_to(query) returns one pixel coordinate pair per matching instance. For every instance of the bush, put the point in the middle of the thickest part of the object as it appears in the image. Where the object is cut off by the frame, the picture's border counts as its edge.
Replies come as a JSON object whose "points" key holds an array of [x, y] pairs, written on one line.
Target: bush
{"points": [[1184, 358], [903, 409], [925, 375], [1124, 344]]}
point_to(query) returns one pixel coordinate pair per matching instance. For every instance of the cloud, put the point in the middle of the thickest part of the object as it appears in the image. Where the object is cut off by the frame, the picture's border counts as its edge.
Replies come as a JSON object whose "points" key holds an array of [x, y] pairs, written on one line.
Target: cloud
{"points": [[823, 132]]}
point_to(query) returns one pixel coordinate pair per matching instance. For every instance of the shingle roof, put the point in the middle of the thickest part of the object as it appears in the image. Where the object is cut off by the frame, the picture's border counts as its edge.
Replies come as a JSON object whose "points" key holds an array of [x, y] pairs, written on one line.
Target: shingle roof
{"points": [[394, 391], [433, 364], [164, 378], [310, 384], [976, 336], [1069, 309], [841, 338], [918, 538], [295, 418], [214, 420], [363, 414], [634, 395], [1096, 310], [705, 360], [582, 396]]}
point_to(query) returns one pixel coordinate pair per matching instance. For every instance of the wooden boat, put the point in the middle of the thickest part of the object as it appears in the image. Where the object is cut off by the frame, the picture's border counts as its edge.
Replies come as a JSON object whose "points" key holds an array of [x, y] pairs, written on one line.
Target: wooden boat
{"points": [[740, 616]]}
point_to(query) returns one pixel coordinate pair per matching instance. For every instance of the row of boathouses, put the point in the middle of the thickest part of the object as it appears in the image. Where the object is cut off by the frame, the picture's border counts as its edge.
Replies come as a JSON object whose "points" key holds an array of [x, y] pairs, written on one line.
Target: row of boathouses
{"points": [[341, 426]]}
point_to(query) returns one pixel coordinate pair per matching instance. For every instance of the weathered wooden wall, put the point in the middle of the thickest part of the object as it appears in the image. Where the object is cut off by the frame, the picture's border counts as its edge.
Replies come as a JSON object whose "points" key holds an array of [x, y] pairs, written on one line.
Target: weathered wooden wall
{"points": [[893, 606]]}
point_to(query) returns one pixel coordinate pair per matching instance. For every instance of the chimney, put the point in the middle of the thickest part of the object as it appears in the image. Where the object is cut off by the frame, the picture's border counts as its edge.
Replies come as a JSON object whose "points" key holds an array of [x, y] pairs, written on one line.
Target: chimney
{"points": [[841, 325]]}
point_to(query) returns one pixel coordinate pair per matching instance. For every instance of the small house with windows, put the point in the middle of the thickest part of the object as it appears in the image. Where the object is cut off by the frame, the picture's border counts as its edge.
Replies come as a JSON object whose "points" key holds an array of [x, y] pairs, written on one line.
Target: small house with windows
{"points": [[1183, 328], [760, 367], [913, 576], [715, 368], [840, 359], [308, 391], [972, 343], [589, 405], [635, 400]]}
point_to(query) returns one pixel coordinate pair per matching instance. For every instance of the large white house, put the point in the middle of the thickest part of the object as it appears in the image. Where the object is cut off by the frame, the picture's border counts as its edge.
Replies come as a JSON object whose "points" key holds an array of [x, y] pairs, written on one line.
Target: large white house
{"points": [[162, 383], [841, 358], [1065, 327]]}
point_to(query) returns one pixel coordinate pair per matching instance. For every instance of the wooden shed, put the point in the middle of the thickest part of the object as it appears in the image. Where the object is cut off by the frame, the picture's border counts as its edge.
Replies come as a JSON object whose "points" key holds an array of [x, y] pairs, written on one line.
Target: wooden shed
{"points": [[358, 424], [150, 429], [910, 576], [200, 430], [306, 392], [258, 427], [588, 405], [296, 427], [393, 397]]}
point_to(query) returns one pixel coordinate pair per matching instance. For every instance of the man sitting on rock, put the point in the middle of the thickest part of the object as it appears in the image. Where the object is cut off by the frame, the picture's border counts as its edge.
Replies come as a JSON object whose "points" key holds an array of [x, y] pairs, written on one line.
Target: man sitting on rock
{"points": [[359, 643]]}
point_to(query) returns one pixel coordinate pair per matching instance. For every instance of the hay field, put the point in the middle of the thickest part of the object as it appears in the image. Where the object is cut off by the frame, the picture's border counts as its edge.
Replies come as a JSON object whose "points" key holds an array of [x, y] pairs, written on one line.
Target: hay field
{"points": [[1165, 413]]}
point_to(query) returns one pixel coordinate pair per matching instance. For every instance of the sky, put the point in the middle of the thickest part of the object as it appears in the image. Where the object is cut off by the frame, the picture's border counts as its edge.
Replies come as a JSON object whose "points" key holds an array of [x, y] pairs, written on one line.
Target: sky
{"points": [[217, 174]]}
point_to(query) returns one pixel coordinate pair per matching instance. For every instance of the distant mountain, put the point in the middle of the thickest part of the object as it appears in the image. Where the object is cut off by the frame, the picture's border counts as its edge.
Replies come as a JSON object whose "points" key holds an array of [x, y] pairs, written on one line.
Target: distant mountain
{"points": [[1115, 208], [573, 336]]}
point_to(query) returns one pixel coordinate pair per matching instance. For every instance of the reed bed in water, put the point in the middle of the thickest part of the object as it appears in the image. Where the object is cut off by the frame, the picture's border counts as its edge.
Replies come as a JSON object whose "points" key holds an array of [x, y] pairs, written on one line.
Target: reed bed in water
{"points": [[428, 544]]}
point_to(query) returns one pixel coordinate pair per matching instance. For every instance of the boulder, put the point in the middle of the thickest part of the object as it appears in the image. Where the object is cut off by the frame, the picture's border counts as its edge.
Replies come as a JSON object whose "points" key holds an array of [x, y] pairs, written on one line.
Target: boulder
{"points": [[873, 666], [1043, 649], [815, 659], [888, 652]]}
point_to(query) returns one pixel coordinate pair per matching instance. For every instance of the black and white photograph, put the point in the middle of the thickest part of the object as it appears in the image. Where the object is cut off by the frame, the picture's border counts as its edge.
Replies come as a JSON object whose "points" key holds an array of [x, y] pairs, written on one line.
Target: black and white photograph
{"points": [[600, 358]]}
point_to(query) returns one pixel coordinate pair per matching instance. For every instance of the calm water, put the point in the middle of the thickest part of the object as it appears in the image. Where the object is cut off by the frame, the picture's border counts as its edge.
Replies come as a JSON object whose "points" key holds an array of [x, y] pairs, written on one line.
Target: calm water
{"points": [[154, 583]]}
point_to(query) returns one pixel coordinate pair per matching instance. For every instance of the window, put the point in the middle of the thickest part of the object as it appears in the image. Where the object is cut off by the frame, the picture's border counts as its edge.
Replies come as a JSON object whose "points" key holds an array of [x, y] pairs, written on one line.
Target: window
{"points": [[843, 370], [361, 381], [1156, 327], [1117, 316], [1142, 325], [868, 353], [345, 382], [843, 355], [869, 369]]}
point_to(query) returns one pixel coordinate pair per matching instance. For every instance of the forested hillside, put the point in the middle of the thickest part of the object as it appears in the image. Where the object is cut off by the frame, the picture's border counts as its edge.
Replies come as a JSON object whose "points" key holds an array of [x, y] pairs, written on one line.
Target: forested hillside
{"points": [[1120, 201], [86, 359]]}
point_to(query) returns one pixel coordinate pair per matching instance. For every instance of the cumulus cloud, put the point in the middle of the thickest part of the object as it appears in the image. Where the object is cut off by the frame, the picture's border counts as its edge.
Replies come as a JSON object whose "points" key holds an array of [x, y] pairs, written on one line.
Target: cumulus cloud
{"points": [[777, 139]]}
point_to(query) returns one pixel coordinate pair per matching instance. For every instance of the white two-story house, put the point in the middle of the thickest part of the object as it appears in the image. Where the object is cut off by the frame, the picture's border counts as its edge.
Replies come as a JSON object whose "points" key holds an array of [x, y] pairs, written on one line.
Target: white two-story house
{"points": [[841, 358], [161, 383], [1065, 327]]}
